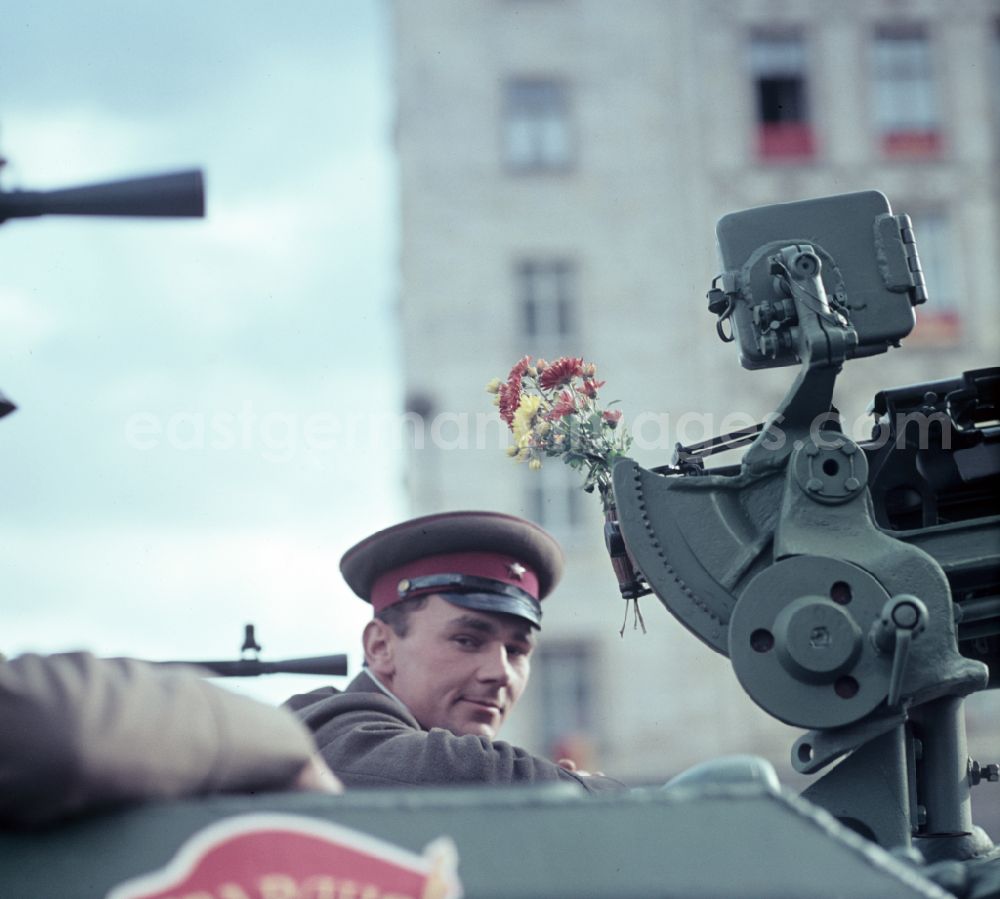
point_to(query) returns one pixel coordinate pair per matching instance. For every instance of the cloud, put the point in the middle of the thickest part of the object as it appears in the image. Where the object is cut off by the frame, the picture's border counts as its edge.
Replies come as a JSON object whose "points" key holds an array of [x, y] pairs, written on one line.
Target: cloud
{"points": [[24, 323]]}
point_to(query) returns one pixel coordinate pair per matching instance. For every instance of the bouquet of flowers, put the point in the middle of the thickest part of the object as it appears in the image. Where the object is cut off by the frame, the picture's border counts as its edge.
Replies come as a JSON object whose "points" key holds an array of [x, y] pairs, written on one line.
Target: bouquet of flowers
{"points": [[552, 410]]}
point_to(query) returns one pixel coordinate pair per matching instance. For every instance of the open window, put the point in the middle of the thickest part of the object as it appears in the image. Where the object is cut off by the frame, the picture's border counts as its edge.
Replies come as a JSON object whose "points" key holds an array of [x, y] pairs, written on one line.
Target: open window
{"points": [[778, 67]]}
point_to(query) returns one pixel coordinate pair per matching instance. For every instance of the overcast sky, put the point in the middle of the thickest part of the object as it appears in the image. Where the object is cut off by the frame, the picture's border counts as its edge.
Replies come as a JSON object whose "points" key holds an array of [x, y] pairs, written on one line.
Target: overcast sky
{"points": [[205, 406]]}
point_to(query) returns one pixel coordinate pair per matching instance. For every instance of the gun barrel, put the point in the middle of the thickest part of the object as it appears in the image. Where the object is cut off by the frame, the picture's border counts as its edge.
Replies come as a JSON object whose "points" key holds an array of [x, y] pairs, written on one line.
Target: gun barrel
{"points": [[179, 194], [334, 665]]}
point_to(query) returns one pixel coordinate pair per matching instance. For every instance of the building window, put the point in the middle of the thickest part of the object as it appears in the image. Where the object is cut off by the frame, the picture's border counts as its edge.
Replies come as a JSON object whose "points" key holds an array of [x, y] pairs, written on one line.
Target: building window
{"points": [[939, 321], [536, 125], [546, 291], [554, 498], [905, 101], [778, 67], [564, 675]]}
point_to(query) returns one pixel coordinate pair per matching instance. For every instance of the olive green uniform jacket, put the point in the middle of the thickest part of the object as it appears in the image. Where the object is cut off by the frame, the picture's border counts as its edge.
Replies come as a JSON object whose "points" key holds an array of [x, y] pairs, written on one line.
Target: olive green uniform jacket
{"points": [[370, 739]]}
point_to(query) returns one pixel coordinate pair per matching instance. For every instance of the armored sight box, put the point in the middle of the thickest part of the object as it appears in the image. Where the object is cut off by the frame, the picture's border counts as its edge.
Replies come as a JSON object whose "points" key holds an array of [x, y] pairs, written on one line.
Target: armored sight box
{"points": [[864, 257]]}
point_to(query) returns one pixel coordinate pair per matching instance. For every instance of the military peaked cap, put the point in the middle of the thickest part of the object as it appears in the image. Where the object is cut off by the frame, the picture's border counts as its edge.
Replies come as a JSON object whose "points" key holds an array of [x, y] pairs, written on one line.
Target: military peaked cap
{"points": [[485, 561]]}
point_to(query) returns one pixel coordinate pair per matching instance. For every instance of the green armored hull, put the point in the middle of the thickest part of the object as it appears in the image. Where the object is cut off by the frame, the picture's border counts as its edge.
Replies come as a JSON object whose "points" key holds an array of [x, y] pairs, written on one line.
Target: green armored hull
{"points": [[725, 841]]}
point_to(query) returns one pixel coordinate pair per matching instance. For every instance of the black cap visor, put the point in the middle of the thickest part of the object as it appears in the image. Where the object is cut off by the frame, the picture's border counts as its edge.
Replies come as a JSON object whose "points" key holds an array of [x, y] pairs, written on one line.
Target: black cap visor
{"points": [[476, 593], [522, 607]]}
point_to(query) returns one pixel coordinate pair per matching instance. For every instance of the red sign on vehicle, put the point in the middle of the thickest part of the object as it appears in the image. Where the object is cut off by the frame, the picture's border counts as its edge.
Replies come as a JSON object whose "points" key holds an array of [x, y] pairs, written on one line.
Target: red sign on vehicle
{"points": [[276, 856]]}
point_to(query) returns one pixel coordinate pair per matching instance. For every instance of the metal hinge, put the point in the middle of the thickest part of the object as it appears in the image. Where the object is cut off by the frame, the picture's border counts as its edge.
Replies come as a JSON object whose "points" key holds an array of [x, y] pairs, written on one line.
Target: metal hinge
{"points": [[919, 294]]}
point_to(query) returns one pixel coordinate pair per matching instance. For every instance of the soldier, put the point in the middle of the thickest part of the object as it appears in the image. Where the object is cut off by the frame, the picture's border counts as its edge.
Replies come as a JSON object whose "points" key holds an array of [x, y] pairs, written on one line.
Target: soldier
{"points": [[456, 602]]}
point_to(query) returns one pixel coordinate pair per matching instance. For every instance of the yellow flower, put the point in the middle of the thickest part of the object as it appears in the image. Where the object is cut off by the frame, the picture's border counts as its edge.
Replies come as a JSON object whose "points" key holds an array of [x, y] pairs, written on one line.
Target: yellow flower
{"points": [[543, 428], [494, 386], [535, 464], [511, 451], [524, 419]]}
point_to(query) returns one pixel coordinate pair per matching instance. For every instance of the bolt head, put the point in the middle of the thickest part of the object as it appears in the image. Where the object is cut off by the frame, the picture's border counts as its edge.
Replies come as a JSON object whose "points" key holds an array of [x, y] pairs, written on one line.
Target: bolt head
{"points": [[905, 615]]}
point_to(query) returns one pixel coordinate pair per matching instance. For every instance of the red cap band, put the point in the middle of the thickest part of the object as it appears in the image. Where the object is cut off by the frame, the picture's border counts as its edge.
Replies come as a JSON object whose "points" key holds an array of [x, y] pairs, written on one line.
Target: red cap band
{"points": [[503, 568]]}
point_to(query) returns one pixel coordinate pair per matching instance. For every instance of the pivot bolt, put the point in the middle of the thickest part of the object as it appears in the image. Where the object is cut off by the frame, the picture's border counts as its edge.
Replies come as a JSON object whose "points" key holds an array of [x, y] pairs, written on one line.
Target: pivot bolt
{"points": [[978, 773]]}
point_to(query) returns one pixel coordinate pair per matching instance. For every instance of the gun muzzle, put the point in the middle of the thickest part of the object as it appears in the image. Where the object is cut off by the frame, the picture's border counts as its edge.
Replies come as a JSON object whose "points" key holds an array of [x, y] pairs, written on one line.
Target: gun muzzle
{"points": [[180, 194], [6, 406]]}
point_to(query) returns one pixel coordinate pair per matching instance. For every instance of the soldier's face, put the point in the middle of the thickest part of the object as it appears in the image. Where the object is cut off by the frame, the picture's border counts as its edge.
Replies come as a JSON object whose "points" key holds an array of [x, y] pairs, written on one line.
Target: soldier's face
{"points": [[457, 668]]}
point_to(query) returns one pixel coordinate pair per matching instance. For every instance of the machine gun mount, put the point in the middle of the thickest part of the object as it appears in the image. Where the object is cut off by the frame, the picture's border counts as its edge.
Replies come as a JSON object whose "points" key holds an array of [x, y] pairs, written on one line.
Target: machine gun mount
{"points": [[793, 563]]}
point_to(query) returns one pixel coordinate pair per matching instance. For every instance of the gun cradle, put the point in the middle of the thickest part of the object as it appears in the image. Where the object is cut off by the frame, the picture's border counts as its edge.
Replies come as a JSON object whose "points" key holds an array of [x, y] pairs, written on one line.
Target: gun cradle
{"points": [[829, 623], [787, 574]]}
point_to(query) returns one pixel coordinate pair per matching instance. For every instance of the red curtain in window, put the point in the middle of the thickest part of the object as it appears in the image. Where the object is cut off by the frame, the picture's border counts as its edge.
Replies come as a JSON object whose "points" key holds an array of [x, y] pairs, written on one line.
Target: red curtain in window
{"points": [[912, 143], [785, 141]]}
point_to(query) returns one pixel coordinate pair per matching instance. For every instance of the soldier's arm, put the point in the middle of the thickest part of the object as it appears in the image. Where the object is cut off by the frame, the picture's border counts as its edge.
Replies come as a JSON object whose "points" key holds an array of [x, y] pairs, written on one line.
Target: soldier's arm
{"points": [[80, 732]]}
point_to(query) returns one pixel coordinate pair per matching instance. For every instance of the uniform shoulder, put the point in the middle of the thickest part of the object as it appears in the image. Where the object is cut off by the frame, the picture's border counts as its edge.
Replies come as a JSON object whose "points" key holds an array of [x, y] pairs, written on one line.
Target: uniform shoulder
{"points": [[304, 700], [359, 693]]}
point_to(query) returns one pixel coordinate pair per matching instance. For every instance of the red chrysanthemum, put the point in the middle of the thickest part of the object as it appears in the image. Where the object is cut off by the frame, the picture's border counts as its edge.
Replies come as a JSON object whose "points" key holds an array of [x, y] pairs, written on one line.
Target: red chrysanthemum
{"points": [[590, 387], [562, 371], [520, 367], [508, 399], [509, 394], [564, 405], [612, 416]]}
